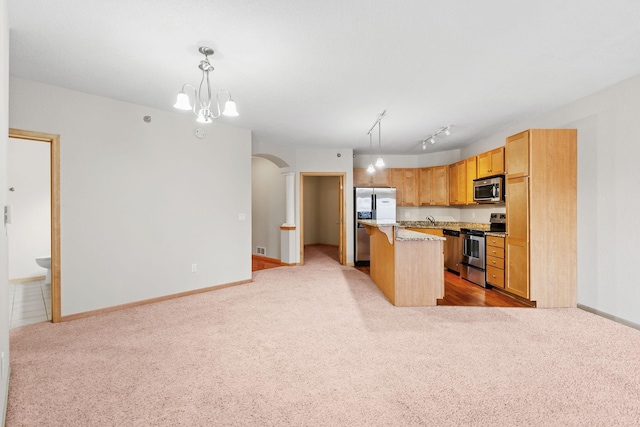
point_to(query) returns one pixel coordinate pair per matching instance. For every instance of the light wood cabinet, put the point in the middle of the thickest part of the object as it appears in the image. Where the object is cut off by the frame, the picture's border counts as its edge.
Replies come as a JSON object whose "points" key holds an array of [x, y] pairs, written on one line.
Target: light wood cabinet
{"points": [[405, 180], [541, 216], [491, 163], [517, 162], [433, 186], [361, 178], [458, 183], [472, 173], [495, 261]]}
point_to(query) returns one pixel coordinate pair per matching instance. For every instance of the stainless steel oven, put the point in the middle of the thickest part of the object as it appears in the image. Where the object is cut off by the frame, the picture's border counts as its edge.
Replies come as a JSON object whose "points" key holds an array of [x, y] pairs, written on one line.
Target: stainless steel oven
{"points": [[473, 256]]}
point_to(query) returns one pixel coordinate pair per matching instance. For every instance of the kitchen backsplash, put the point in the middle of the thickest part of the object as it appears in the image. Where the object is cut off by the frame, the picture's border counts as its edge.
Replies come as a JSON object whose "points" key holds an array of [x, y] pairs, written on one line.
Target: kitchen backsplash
{"points": [[476, 214]]}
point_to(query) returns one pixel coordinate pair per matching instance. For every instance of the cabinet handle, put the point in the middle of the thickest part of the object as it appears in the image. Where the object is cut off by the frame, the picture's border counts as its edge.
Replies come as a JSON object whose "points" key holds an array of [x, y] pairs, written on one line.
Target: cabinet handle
{"points": [[493, 275]]}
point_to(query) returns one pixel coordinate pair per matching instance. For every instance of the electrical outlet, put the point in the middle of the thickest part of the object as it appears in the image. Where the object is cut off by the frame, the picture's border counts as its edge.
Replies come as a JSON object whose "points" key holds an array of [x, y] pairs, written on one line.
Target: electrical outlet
{"points": [[241, 217], [473, 214], [194, 268]]}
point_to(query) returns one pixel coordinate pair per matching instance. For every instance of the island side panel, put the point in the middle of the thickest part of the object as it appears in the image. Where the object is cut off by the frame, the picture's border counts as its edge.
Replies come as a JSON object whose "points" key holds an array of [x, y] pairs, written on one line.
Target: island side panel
{"points": [[419, 273], [382, 264]]}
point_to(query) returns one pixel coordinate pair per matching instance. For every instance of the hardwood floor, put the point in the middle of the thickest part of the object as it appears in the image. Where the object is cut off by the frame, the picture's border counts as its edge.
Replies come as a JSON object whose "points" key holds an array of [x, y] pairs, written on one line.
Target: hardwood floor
{"points": [[457, 291], [460, 292]]}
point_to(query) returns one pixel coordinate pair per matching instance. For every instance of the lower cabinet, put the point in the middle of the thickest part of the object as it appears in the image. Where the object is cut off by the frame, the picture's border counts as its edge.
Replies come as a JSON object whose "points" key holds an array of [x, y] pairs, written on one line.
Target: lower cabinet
{"points": [[495, 261]]}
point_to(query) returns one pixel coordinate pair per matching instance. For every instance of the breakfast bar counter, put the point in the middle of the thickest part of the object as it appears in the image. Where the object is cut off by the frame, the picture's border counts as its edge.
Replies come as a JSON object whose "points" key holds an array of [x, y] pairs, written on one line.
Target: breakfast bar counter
{"points": [[406, 265]]}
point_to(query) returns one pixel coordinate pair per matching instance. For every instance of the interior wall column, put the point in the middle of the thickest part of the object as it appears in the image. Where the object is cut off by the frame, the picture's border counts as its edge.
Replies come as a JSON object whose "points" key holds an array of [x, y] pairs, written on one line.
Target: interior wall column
{"points": [[290, 211], [288, 229]]}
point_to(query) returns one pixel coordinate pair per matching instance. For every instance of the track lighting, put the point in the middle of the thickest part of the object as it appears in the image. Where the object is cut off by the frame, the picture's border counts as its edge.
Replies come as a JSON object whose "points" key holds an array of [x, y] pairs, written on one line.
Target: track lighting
{"points": [[445, 130], [202, 97]]}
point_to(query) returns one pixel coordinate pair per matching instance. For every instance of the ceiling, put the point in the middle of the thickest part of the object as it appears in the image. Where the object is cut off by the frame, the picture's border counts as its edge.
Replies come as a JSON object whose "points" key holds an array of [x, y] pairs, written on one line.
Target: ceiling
{"points": [[318, 73]]}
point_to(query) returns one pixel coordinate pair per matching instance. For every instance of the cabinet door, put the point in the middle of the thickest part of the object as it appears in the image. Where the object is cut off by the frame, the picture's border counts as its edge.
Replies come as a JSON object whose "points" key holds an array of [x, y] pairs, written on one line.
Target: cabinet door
{"points": [[396, 179], [517, 242], [491, 163], [517, 155], [424, 186], [454, 199], [472, 173], [484, 165], [380, 178], [405, 181], [497, 161], [361, 178], [458, 183], [410, 187], [439, 185]]}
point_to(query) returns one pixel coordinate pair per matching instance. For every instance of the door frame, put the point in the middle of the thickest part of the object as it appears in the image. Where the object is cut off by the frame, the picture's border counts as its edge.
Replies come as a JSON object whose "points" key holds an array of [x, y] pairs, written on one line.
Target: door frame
{"points": [[342, 245], [54, 158]]}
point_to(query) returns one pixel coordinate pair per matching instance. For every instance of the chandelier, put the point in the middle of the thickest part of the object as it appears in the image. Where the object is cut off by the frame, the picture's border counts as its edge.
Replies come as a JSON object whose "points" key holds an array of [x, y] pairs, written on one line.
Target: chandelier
{"points": [[202, 98]]}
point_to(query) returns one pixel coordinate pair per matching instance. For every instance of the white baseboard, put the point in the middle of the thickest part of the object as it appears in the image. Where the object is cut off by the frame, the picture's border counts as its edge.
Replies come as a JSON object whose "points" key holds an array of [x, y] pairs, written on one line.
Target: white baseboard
{"points": [[5, 391], [609, 316]]}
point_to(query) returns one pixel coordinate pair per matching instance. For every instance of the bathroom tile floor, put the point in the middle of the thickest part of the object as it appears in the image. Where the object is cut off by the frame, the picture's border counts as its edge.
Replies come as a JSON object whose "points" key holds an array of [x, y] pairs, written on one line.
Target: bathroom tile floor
{"points": [[29, 302]]}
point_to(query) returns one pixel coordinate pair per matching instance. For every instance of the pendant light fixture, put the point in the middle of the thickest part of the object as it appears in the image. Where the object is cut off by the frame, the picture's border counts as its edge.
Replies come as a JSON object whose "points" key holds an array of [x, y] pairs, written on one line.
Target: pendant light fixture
{"points": [[202, 97], [379, 161], [370, 168]]}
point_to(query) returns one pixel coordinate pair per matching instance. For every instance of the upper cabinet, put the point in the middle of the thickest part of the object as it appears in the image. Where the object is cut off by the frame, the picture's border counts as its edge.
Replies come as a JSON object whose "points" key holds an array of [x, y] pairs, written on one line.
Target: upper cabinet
{"points": [[361, 178], [491, 163], [472, 173], [406, 182], [433, 186], [517, 159], [458, 183]]}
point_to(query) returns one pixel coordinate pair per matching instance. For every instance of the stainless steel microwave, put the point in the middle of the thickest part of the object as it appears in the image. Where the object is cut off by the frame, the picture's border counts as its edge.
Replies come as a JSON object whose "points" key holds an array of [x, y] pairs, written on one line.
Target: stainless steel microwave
{"points": [[489, 190]]}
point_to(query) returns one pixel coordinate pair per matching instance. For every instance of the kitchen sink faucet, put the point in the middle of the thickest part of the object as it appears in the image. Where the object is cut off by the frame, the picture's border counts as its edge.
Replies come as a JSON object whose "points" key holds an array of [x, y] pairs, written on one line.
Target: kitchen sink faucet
{"points": [[431, 219]]}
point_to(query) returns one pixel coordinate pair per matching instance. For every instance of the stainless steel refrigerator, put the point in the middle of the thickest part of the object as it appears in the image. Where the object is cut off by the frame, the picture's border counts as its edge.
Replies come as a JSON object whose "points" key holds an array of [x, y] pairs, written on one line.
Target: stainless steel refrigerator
{"points": [[377, 204]]}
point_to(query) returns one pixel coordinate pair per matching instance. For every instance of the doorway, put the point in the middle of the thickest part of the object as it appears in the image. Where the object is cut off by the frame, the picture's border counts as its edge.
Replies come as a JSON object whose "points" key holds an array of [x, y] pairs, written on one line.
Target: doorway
{"points": [[322, 211], [54, 158]]}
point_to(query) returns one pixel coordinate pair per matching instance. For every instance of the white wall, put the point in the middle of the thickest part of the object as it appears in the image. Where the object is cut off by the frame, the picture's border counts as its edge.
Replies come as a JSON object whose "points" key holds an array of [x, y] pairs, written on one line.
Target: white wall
{"points": [[608, 196], [30, 228], [315, 160], [329, 160], [141, 202], [267, 205], [4, 264]]}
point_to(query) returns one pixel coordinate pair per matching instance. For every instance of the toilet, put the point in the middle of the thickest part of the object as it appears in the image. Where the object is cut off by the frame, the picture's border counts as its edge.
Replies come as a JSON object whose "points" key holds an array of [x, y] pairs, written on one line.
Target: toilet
{"points": [[45, 262]]}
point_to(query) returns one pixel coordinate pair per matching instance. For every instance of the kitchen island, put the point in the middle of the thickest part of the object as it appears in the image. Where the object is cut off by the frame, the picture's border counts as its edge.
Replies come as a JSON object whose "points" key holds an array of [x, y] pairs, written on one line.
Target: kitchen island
{"points": [[406, 265]]}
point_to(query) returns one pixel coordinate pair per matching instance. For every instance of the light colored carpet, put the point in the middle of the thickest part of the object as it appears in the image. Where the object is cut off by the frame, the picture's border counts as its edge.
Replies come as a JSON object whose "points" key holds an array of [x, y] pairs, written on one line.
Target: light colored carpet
{"points": [[319, 345]]}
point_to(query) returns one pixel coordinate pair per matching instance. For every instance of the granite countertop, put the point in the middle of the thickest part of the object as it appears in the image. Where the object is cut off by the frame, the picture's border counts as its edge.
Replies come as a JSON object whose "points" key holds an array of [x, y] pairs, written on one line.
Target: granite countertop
{"points": [[404, 235], [374, 223], [449, 225], [495, 234]]}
